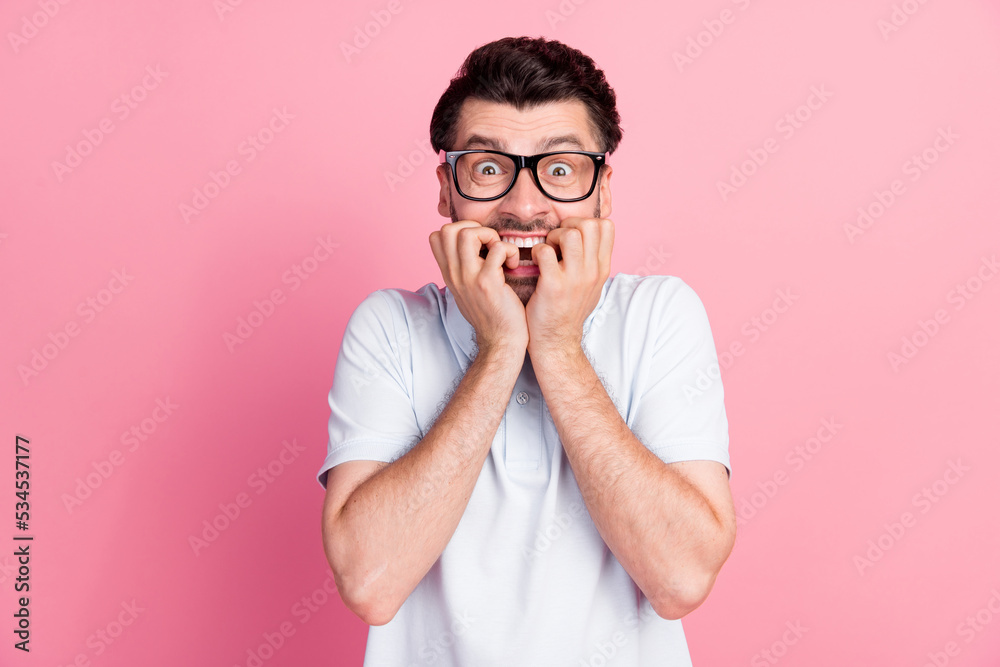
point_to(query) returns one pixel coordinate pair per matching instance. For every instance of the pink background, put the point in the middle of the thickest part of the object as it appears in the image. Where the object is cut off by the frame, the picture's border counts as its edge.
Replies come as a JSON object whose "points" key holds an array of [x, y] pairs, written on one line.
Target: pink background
{"points": [[356, 118]]}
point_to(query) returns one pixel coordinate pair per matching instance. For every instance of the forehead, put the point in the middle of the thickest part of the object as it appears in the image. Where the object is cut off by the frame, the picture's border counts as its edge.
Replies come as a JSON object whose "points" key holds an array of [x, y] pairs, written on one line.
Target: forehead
{"points": [[563, 124]]}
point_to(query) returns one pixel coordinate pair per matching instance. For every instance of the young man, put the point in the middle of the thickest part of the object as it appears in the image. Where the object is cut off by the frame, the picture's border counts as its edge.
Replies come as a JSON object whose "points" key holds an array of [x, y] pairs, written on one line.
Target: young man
{"points": [[519, 470]]}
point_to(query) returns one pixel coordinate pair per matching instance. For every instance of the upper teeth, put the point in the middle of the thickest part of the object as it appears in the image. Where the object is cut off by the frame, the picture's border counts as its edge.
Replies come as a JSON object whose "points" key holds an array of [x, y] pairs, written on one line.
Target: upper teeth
{"points": [[522, 242]]}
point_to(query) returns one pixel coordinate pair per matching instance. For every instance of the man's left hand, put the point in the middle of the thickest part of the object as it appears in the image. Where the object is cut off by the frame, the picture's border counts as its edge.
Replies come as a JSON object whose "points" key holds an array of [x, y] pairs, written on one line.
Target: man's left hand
{"points": [[567, 291]]}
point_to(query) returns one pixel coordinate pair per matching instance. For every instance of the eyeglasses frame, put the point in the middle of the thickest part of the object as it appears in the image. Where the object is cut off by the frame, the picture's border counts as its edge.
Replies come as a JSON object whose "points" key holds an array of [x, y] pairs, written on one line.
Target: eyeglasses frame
{"points": [[520, 162]]}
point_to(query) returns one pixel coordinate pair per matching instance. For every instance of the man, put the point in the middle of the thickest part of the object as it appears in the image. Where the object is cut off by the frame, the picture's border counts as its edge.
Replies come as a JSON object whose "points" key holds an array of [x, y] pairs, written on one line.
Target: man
{"points": [[520, 469]]}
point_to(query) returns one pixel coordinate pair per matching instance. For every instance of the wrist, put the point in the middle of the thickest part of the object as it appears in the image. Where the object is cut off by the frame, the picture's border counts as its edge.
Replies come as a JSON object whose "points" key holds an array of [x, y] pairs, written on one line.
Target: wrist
{"points": [[505, 352]]}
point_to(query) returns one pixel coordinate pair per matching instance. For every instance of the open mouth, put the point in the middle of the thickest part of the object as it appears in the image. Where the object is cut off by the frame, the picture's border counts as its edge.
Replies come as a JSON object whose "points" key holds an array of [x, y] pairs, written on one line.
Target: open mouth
{"points": [[524, 253]]}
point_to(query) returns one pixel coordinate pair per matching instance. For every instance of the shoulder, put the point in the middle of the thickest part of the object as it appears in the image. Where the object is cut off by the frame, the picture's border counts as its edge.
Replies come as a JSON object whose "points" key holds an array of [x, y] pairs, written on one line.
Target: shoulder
{"points": [[392, 301], [668, 295], [399, 314]]}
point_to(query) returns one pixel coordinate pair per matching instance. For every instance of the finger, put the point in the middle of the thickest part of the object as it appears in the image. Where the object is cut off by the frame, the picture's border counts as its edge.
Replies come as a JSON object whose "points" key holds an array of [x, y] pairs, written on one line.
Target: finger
{"points": [[590, 242], [437, 247], [554, 239], [470, 241], [513, 258], [508, 258], [571, 242], [544, 255], [499, 253], [435, 242], [607, 244], [450, 241]]}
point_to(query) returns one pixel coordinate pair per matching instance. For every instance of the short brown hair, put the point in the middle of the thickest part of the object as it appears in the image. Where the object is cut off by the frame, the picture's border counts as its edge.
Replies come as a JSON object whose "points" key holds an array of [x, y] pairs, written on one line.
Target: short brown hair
{"points": [[524, 72]]}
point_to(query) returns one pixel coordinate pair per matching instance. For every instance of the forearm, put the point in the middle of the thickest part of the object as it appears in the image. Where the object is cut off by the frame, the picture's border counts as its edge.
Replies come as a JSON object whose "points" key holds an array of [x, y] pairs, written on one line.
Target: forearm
{"points": [[395, 525], [659, 526]]}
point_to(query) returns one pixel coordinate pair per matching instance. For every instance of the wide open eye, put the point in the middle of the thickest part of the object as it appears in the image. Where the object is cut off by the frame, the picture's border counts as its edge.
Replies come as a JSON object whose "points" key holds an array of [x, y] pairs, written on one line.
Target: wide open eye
{"points": [[559, 169], [487, 167]]}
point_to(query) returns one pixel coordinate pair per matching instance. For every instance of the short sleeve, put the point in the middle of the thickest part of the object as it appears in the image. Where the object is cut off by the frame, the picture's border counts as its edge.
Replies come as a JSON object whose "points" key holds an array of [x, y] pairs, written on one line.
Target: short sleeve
{"points": [[681, 415], [371, 409]]}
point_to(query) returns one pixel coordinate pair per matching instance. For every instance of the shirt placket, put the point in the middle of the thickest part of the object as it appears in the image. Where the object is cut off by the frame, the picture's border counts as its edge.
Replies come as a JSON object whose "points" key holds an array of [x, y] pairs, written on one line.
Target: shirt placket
{"points": [[523, 422]]}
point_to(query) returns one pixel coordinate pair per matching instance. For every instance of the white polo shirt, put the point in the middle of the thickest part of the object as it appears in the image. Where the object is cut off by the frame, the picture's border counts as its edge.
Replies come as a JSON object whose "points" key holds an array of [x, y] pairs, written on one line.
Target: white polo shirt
{"points": [[526, 579]]}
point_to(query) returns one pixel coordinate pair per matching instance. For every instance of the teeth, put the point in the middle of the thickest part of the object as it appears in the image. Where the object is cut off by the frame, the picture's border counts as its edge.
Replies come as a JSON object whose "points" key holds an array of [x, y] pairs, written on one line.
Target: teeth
{"points": [[522, 242]]}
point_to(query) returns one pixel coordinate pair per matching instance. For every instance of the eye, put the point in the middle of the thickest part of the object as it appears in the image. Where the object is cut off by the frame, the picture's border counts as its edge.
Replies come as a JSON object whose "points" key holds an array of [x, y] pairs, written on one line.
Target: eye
{"points": [[488, 168], [559, 169]]}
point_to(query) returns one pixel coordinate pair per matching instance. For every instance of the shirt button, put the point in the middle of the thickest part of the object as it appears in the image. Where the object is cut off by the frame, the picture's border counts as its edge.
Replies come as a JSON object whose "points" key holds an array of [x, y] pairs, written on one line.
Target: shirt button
{"points": [[522, 397]]}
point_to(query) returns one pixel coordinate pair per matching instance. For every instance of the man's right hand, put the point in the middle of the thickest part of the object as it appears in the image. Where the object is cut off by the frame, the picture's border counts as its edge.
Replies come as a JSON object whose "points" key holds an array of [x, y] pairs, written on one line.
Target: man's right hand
{"points": [[482, 294]]}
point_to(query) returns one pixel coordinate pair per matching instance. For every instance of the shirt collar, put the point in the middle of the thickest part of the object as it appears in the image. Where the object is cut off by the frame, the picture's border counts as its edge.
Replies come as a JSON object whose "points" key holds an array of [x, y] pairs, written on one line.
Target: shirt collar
{"points": [[462, 332]]}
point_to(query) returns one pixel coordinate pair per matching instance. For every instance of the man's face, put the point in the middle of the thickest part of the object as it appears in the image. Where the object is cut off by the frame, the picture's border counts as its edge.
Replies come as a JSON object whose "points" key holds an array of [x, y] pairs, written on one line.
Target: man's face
{"points": [[524, 211]]}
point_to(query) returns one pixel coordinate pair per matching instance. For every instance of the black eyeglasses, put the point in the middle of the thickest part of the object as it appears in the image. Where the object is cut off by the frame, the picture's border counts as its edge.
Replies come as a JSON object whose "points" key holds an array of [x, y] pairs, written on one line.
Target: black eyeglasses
{"points": [[566, 176]]}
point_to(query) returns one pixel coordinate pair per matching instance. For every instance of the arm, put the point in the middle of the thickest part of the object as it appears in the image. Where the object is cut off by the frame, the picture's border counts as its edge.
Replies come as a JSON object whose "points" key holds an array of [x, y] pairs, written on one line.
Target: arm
{"points": [[670, 526], [382, 538]]}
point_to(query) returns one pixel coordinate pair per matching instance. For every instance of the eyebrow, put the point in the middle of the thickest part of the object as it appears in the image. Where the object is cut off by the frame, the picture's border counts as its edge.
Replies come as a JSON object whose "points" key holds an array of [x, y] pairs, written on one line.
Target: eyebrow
{"points": [[478, 140]]}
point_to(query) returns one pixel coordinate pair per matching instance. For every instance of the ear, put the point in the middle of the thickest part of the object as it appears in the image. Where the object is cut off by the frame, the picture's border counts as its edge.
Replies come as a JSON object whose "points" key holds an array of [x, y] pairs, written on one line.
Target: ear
{"points": [[605, 186], [443, 172]]}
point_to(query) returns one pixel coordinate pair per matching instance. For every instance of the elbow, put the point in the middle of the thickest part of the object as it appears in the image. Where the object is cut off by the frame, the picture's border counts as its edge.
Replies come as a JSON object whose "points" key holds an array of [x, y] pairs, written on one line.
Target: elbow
{"points": [[371, 611], [371, 603], [364, 600], [677, 600], [686, 591], [356, 584]]}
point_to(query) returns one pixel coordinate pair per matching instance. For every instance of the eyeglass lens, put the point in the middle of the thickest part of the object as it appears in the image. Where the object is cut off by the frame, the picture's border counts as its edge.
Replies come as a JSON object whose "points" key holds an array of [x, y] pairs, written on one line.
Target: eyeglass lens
{"points": [[561, 175]]}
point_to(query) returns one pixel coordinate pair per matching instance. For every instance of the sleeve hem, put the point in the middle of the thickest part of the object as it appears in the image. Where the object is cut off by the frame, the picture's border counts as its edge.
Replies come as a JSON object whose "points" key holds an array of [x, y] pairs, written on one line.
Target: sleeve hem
{"points": [[367, 449], [694, 451]]}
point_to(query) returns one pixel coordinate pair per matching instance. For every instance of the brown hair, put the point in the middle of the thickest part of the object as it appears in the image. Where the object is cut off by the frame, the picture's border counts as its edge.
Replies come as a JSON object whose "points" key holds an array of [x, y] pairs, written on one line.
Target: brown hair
{"points": [[524, 72]]}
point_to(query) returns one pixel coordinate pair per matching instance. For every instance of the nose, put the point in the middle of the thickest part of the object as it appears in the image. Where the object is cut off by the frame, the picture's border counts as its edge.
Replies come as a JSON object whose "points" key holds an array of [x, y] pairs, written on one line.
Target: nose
{"points": [[525, 200]]}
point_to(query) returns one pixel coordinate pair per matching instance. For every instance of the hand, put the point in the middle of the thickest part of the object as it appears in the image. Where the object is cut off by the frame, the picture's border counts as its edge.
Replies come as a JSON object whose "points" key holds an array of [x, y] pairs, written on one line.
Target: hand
{"points": [[482, 294], [568, 291]]}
